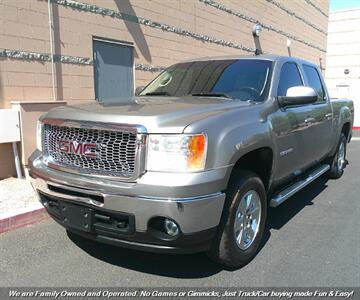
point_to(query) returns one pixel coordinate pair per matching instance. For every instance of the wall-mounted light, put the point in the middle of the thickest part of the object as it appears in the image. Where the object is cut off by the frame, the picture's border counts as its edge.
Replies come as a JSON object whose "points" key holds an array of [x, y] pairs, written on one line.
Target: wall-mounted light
{"points": [[288, 44], [256, 30]]}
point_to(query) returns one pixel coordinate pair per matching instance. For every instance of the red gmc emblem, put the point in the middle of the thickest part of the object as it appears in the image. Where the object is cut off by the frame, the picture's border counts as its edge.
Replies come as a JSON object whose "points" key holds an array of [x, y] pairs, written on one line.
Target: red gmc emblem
{"points": [[74, 147]]}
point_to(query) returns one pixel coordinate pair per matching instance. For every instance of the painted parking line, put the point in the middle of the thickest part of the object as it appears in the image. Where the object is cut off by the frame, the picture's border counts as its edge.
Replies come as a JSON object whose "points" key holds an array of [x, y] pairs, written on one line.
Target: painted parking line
{"points": [[355, 139]]}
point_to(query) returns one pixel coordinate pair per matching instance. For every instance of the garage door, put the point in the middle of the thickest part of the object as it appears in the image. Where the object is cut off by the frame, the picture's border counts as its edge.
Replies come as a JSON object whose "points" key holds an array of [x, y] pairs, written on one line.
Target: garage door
{"points": [[113, 71]]}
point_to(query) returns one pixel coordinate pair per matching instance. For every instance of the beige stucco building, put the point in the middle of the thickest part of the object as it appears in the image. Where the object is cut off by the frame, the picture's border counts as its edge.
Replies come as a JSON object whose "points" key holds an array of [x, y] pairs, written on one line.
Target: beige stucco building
{"points": [[144, 36], [343, 57]]}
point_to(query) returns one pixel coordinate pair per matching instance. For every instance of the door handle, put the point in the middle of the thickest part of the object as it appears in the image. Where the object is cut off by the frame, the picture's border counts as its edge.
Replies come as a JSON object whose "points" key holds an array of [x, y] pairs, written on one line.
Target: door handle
{"points": [[309, 120], [329, 116]]}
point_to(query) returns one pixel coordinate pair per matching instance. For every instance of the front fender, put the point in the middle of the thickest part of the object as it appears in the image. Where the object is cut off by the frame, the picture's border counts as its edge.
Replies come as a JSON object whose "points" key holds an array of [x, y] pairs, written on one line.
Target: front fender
{"points": [[232, 135]]}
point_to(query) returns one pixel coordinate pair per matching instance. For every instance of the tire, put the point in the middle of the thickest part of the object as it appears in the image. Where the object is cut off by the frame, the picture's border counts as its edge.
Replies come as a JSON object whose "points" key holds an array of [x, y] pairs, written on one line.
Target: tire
{"points": [[225, 249], [338, 161]]}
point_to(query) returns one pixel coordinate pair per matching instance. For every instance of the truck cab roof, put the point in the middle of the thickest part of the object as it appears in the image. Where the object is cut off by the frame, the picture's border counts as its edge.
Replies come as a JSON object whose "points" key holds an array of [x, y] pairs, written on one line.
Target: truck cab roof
{"points": [[271, 57]]}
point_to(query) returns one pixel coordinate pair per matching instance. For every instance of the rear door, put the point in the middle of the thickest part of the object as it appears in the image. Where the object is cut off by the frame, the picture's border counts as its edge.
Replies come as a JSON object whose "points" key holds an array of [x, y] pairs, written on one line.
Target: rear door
{"points": [[318, 117], [113, 70]]}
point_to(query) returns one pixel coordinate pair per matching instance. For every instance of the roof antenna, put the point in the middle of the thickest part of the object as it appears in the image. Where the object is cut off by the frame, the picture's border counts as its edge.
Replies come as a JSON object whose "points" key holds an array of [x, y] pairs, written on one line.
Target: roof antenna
{"points": [[256, 30]]}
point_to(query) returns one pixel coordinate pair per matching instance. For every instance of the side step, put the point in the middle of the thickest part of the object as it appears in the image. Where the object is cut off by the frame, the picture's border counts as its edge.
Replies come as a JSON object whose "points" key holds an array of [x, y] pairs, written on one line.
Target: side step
{"points": [[285, 194]]}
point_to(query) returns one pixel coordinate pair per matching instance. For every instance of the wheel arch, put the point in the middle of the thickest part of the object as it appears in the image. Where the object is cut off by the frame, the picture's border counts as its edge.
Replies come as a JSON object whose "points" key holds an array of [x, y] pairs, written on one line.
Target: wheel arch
{"points": [[260, 161], [346, 129]]}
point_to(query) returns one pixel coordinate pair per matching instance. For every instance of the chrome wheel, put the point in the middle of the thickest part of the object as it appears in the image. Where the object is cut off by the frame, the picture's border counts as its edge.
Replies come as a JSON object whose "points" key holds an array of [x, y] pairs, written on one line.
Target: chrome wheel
{"points": [[341, 157], [247, 219]]}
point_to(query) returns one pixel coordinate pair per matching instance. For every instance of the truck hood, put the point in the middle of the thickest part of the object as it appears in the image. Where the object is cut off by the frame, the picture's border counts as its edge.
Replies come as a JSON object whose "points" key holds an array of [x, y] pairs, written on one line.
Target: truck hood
{"points": [[157, 114]]}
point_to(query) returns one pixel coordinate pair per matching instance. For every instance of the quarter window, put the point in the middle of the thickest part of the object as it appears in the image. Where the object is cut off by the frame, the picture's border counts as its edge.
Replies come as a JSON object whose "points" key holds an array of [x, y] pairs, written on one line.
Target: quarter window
{"points": [[314, 81], [289, 77]]}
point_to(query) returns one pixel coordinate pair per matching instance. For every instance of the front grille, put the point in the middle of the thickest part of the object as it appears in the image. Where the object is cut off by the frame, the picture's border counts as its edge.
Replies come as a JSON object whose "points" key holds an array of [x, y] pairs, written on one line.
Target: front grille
{"points": [[114, 154]]}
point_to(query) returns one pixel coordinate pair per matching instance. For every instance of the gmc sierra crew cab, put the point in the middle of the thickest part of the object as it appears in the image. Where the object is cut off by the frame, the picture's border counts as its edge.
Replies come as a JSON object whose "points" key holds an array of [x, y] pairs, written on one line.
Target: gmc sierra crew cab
{"points": [[193, 161]]}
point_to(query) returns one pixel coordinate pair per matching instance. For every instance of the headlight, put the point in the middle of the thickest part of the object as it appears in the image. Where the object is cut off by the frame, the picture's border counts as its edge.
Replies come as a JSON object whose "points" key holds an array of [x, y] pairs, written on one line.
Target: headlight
{"points": [[39, 130], [176, 153]]}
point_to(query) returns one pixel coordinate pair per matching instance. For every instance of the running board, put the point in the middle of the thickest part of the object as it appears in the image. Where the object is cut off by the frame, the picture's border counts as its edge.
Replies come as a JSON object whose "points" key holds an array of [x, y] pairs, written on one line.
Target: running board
{"points": [[285, 194]]}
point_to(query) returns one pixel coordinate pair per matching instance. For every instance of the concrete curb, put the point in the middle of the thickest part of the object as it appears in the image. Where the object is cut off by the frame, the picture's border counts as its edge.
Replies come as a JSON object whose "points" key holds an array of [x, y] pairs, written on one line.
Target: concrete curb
{"points": [[23, 219]]}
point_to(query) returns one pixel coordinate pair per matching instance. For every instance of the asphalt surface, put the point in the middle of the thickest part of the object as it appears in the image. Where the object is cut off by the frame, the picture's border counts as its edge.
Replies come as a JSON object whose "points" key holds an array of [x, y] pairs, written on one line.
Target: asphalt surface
{"points": [[312, 240]]}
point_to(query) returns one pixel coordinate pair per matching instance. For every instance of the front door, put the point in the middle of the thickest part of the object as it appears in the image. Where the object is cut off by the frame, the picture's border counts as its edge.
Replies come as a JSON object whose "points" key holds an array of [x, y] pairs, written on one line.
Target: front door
{"points": [[288, 129], [113, 71]]}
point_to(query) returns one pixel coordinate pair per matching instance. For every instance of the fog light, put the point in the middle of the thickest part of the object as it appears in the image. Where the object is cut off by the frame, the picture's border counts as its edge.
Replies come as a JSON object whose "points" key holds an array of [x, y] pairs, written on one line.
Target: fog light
{"points": [[171, 227]]}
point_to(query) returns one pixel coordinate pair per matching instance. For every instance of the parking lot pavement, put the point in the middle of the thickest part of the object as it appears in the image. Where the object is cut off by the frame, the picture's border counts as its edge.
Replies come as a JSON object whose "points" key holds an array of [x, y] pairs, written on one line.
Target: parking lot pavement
{"points": [[312, 240]]}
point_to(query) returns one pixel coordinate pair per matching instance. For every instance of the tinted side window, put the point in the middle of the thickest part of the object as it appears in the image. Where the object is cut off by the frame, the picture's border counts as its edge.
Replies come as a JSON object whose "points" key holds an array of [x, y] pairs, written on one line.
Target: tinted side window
{"points": [[289, 77], [314, 80]]}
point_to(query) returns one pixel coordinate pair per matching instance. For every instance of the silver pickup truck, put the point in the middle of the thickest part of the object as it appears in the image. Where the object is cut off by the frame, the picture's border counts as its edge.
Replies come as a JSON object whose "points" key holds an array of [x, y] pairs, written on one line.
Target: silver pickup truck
{"points": [[193, 161]]}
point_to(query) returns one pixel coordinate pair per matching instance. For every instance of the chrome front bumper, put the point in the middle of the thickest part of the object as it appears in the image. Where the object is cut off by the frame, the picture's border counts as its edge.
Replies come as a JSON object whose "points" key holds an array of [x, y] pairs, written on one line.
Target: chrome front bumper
{"points": [[192, 213]]}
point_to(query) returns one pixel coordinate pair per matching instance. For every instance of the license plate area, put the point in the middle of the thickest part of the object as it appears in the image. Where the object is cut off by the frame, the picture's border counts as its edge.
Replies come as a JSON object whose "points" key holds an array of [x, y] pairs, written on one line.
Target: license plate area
{"points": [[89, 219], [76, 216]]}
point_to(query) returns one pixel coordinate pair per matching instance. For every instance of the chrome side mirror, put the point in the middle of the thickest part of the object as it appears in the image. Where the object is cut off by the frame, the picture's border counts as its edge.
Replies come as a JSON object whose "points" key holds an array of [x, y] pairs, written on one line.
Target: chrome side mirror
{"points": [[298, 95]]}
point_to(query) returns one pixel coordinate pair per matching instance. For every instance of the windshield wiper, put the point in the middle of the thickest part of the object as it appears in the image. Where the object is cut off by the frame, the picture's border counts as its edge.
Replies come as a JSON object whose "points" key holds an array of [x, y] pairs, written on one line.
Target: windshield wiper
{"points": [[157, 94], [212, 95]]}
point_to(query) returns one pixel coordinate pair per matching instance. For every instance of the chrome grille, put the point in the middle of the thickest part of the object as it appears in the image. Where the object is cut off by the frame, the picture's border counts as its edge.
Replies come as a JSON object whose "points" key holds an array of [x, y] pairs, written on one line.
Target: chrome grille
{"points": [[115, 153]]}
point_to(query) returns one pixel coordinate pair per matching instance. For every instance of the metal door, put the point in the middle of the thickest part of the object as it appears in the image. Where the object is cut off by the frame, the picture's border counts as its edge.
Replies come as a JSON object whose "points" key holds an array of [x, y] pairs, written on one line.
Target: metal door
{"points": [[316, 118], [113, 71], [287, 128]]}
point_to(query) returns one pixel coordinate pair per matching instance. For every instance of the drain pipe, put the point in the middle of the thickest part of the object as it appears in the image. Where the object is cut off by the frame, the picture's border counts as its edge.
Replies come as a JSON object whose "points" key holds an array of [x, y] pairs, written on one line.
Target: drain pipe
{"points": [[17, 161], [51, 31]]}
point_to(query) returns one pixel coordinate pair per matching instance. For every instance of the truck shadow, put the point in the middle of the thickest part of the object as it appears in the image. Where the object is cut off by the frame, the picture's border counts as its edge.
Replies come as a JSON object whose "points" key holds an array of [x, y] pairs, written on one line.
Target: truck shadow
{"points": [[195, 265], [280, 216], [169, 265]]}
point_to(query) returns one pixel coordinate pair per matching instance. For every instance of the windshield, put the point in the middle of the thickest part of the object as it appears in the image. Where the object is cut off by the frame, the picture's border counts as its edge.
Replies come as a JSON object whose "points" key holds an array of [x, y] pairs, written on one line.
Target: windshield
{"points": [[244, 79]]}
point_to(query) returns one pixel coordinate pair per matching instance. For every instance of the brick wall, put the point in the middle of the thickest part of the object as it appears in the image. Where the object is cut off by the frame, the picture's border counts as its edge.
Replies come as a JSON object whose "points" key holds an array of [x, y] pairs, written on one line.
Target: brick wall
{"points": [[24, 27]]}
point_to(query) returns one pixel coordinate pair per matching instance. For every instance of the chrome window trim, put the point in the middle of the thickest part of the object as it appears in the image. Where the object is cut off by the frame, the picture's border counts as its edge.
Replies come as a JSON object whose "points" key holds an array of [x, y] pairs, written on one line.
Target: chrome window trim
{"points": [[140, 150]]}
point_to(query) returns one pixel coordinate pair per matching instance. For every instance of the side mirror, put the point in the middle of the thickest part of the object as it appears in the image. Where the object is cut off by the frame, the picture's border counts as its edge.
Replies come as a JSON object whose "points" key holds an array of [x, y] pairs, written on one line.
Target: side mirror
{"points": [[138, 90], [298, 95]]}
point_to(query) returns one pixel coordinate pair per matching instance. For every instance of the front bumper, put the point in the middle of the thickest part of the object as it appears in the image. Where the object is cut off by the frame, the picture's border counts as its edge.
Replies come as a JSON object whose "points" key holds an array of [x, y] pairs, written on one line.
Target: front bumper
{"points": [[197, 216]]}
